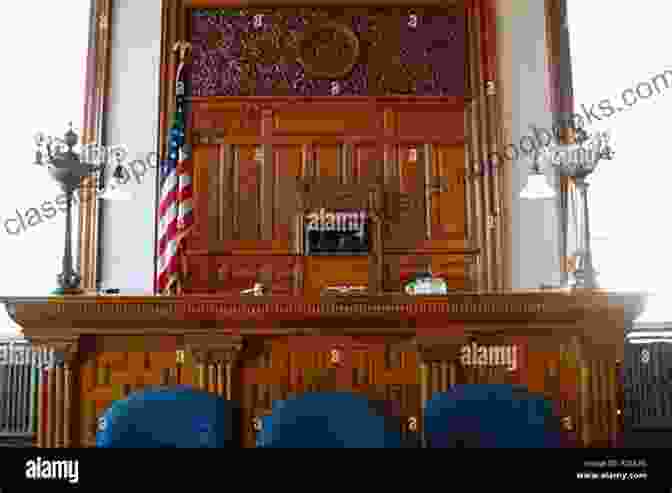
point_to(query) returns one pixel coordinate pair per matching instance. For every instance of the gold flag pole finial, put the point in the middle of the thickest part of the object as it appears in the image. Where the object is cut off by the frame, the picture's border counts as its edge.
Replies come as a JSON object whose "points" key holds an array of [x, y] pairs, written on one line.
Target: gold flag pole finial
{"points": [[183, 47]]}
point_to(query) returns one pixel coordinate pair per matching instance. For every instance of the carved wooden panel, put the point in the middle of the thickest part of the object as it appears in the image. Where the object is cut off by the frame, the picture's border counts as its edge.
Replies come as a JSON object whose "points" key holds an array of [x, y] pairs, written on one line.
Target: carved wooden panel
{"points": [[293, 366], [233, 273], [448, 199], [324, 119], [324, 271], [322, 51], [251, 194], [130, 364], [418, 122]]}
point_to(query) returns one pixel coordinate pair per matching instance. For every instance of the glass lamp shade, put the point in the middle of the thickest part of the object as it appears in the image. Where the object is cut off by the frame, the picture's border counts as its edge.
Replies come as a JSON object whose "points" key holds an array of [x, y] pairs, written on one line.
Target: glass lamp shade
{"points": [[114, 194], [537, 188]]}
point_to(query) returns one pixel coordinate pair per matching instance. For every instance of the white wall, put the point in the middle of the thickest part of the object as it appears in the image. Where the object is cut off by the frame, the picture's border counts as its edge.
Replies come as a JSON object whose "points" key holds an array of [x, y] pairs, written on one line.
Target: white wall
{"points": [[128, 228], [127, 232], [534, 228]]}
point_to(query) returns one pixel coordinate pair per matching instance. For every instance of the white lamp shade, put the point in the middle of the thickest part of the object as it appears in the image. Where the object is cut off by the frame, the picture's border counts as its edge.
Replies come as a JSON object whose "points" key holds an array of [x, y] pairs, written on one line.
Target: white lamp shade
{"points": [[115, 194], [537, 188]]}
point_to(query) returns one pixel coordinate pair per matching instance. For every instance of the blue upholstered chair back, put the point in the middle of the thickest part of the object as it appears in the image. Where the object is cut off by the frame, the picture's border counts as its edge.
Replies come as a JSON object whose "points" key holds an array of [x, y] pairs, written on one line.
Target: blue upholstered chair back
{"points": [[168, 417], [490, 416], [328, 420]]}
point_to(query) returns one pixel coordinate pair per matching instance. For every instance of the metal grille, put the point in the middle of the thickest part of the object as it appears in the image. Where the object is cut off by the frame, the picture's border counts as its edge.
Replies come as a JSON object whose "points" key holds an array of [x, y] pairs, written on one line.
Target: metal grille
{"points": [[20, 382], [647, 385]]}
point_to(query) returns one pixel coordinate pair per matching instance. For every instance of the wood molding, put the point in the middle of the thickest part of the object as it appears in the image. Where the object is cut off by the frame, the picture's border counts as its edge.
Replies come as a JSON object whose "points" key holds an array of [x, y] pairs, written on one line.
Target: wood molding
{"points": [[598, 315], [93, 132], [218, 349]]}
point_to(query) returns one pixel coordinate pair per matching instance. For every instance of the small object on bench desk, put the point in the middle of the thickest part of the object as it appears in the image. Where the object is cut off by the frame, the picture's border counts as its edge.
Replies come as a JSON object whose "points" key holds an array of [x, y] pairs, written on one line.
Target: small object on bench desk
{"points": [[345, 290], [109, 291], [257, 290], [425, 283]]}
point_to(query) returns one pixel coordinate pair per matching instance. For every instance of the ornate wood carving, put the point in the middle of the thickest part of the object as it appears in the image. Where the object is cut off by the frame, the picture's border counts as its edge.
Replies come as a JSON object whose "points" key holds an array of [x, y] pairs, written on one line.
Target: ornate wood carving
{"points": [[360, 51], [214, 349], [328, 50]]}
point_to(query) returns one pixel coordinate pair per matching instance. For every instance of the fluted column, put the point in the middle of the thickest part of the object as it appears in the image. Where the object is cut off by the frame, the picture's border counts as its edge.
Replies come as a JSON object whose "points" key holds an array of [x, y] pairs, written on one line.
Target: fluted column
{"points": [[224, 360], [584, 397], [202, 357], [58, 405], [68, 357], [49, 383], [55, 396], [215, 356]]}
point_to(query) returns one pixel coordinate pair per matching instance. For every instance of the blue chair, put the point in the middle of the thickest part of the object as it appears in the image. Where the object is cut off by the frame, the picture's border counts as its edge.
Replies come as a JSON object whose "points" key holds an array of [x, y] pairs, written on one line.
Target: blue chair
{"points": [[329, 420], [490, 416], [169, 417]]}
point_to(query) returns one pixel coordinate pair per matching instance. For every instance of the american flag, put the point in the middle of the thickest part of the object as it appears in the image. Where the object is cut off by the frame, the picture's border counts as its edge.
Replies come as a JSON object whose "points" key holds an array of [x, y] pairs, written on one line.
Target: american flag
{"points": [[175, 215]]}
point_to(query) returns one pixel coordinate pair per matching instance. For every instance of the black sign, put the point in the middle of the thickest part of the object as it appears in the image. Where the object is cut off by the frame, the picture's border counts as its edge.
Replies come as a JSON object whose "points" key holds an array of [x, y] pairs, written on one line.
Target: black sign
{"points": [[336, 233]]}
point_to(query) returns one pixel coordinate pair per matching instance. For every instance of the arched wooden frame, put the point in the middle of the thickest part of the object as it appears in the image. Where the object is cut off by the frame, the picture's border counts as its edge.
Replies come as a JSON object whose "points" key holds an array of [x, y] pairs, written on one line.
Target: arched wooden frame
{"points": [[93, 131]]}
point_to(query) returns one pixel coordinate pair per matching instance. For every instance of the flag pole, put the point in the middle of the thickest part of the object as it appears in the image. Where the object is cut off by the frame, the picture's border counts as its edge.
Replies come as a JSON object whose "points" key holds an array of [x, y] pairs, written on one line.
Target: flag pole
{"points": [[181, 49]]}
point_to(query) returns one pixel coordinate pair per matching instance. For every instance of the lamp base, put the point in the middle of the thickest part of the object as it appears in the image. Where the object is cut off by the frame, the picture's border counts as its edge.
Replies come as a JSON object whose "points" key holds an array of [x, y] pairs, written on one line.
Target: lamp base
{"points": [[583, 282], [66, 291]]}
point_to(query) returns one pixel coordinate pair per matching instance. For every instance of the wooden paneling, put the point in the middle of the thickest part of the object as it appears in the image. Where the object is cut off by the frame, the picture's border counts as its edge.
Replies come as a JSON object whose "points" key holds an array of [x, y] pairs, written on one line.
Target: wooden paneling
{"points": [[328, 160], [323, 271], [110, 375], [287, 161], [330, 119], [254, 198], [228, 185], [435, 120], [448, 202], [232, 122], [249, 212], [368, 163], [206, 166], [233, 273]]}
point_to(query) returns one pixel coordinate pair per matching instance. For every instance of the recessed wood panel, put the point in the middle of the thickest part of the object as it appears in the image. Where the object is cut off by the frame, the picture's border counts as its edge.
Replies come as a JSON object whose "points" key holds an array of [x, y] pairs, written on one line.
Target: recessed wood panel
{"points": [[108, 376], [431, 121], [324, 120], [203, 158], [328, 160], [231, 274], [368, 163], [287, 162], [249, 179], [324, 271], [235, 121], [448, 203]]}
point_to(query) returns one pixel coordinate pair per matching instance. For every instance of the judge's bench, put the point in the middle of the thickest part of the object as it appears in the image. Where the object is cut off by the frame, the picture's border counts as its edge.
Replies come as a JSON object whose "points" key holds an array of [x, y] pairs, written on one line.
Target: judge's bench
{"points": [[331, 204]]}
